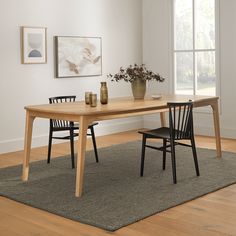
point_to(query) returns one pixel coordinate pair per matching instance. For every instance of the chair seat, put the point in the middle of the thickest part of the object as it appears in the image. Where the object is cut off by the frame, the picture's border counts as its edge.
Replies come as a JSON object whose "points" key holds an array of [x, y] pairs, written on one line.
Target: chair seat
{"points": [[163, 133], [75, 127], [76, 124]]}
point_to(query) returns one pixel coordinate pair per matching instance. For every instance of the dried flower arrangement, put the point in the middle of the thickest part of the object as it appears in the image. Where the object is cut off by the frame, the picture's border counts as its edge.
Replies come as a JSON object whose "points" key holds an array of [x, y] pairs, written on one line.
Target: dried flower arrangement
{"points": [[133, 72]]}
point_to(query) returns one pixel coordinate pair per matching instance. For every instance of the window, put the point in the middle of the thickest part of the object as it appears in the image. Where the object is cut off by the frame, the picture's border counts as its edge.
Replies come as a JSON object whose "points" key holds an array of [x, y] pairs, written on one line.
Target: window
{"points": [[195, 47]]}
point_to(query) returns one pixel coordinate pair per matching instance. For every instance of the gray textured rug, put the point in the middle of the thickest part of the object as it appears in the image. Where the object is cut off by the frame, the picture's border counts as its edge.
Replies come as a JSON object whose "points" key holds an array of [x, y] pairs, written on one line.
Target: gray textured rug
{"points": [[114, 195]]}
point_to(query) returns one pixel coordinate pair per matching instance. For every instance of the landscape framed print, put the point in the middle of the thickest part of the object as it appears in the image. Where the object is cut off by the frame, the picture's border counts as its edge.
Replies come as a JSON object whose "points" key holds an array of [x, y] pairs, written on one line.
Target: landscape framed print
{"points": [[78, 56], [34, 45]]}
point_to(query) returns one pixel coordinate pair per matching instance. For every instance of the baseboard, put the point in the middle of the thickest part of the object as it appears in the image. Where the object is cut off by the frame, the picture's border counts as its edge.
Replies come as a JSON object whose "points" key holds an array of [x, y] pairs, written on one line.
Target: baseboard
{"points": [[209, 131], [109, 127], [104, 128]]}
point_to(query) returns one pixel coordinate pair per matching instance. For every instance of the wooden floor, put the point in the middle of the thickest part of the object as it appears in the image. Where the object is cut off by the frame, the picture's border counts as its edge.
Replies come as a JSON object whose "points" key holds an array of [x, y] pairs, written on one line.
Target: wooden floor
{"points": [[213, 214]]}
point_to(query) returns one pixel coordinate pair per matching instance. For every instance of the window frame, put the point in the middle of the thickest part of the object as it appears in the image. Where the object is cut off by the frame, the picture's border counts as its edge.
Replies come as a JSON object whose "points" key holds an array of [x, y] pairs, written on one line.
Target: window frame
{"points": [[217, 50]]}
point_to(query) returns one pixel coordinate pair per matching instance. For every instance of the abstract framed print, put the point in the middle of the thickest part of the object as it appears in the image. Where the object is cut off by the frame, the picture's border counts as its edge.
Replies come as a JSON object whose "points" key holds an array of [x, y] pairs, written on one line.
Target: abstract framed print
{"points": [[34, 45]]}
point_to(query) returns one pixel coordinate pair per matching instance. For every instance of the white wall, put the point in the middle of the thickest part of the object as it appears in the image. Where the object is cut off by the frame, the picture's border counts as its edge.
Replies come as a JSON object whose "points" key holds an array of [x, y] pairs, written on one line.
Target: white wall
{"points": [[118, 22], [156, 47]]}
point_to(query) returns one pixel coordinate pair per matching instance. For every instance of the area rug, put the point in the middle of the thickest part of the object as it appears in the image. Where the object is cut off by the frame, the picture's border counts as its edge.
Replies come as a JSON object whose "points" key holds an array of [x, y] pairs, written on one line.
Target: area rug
{"points": [[114, 195]]}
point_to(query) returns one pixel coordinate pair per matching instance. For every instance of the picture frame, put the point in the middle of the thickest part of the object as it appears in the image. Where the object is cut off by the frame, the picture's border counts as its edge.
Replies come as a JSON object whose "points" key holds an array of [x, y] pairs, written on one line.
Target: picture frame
{"points": [[77, 56], [33, 45]]}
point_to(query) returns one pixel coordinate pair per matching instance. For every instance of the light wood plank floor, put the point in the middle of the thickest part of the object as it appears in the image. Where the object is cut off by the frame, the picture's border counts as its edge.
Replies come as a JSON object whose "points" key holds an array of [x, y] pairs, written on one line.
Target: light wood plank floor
{"points": [[213, 214]]}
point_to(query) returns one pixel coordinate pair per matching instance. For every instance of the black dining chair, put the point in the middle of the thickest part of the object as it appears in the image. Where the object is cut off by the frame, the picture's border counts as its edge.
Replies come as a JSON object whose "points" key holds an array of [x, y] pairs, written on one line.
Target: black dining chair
{"points": [[180, 128], [62, 125]]}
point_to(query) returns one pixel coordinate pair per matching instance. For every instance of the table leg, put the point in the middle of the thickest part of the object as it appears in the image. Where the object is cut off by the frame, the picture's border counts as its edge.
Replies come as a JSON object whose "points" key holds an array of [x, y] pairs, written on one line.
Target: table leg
{"points": [[217, 127], [27, 145], [83, 126], [163, 119]]}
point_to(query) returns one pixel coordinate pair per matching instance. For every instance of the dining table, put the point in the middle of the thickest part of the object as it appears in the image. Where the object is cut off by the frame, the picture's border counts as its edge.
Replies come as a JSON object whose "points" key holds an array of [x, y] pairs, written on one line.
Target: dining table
{"points": [[120, 107]]}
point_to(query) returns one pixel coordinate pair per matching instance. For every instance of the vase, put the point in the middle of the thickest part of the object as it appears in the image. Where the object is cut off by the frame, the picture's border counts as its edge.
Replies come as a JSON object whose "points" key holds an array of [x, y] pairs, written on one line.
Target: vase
{"points": [[103, 93], [138, 86]]}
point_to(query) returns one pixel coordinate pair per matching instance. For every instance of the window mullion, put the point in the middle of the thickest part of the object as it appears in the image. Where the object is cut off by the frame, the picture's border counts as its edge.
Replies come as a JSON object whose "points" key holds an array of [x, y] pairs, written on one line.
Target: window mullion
{"points": [[194, 57], [196, 50]]}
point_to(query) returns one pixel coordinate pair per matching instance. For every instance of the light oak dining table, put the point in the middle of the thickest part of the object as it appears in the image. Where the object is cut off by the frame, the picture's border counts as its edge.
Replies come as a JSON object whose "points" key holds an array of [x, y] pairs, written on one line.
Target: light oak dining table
{"points": [[116, 108]]}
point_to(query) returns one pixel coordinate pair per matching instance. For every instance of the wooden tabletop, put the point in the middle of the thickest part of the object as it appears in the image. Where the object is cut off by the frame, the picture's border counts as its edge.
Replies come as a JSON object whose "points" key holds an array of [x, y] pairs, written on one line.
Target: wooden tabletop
{"points": [[116, 105]]}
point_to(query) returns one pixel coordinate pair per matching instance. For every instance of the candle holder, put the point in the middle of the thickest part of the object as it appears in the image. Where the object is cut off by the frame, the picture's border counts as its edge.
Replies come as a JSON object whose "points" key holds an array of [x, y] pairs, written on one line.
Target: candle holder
{"points": [[87, 97], [93, 100]]}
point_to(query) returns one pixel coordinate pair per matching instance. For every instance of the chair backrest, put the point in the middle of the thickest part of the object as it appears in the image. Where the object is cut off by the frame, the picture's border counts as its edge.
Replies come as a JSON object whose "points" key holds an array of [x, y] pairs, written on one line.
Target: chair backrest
{"points": [[61, 99], [181, 119]]}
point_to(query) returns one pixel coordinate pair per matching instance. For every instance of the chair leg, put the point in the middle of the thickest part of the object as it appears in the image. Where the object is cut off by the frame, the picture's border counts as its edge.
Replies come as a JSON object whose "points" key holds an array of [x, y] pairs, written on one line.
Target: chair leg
{"points": [[49, 145], [164, 155], [72, 148], [94, 143], [143, 155], [172, 143], [195, 156]]}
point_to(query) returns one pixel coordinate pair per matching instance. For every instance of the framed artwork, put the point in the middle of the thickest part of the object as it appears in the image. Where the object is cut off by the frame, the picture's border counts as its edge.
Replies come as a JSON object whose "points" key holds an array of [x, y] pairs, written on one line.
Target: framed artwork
{"points": [[78, 56], [34, 45]]}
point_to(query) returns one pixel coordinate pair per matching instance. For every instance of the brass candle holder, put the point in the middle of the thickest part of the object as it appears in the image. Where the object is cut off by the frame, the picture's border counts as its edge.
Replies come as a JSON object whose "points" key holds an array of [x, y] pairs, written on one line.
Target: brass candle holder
{"points": [[93, 100], [87, 97]]}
